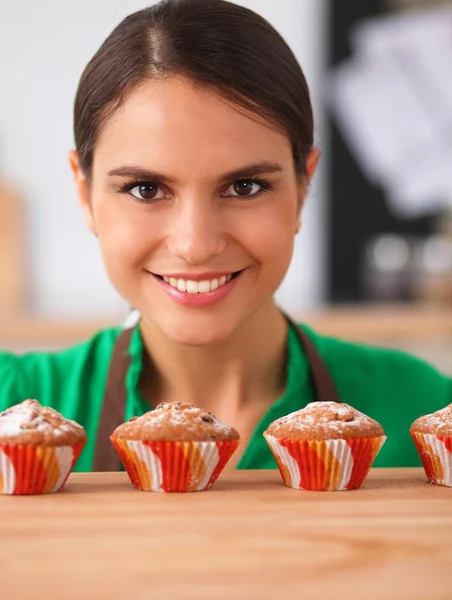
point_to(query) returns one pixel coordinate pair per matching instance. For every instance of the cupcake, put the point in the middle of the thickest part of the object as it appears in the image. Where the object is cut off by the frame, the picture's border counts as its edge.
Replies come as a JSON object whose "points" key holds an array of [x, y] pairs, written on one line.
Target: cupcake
{"points": [[326, 446], [174, 448], [38, 449], [432, 435]]}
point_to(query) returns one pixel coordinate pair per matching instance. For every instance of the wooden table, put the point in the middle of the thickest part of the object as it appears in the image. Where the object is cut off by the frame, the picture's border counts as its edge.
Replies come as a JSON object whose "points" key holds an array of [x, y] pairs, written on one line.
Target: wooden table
{"points": [[247, 538]]}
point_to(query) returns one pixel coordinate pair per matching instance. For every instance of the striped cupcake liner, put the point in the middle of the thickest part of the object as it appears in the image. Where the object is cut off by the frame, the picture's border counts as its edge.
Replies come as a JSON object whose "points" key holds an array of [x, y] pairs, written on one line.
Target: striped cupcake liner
{"points": [[436, 456], [26, 469], [325, 465], [173, 466]]}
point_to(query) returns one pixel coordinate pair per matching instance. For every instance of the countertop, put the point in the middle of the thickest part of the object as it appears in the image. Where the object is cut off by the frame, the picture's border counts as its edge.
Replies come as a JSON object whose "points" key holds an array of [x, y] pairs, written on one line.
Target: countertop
{"points": [[249, 537]]}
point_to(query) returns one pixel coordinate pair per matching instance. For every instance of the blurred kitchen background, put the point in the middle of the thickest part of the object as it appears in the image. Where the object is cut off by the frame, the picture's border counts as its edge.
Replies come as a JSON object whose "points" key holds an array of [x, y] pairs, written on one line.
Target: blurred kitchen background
{"points": [[373, 262]]}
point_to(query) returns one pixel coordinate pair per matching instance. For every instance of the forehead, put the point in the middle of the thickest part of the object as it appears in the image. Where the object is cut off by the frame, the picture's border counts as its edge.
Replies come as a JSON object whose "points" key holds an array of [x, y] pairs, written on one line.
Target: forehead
{"points": [[168, 124]]}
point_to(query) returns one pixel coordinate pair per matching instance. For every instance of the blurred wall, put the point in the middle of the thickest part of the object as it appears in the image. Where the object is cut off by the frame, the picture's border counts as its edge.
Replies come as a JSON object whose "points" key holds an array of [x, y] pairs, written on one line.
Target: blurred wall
{"points": [[44, 47]]}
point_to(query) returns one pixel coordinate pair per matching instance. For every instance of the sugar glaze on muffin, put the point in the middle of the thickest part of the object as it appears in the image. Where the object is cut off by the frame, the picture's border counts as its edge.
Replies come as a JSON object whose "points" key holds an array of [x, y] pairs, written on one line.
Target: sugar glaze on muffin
{"points": [[35, 425], [437, 423], [176, 422], [325, 421]]}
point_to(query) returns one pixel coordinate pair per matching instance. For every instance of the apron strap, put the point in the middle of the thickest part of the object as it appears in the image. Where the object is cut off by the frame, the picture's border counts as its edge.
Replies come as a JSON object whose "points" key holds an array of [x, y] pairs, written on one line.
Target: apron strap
{"points": [[325, 389], [114, 405]]}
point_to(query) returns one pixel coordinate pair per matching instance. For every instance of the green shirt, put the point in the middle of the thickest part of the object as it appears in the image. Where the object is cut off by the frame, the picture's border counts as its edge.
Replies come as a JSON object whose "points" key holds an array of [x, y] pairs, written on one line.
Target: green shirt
{"points": [[389, 386]]}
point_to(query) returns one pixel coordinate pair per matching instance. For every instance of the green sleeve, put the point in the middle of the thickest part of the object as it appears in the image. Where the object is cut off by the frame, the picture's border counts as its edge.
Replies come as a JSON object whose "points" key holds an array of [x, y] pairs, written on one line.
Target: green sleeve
{"points": [[12, 381], [410, 388], [71, 381], [392, 387]]}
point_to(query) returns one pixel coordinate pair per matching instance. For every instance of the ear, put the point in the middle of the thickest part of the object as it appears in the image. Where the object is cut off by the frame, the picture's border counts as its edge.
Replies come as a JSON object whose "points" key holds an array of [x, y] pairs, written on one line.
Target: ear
{"points": [[312, 160], [83, 190]]}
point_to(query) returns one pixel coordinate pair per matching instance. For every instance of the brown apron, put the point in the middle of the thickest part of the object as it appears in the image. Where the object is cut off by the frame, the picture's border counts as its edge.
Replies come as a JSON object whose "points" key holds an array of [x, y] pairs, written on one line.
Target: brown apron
{"points": [[114, 403]]}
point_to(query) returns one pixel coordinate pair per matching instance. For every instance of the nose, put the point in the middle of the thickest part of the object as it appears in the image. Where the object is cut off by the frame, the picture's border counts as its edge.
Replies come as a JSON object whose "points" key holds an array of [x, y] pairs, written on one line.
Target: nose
{"points": [[197, 233]]}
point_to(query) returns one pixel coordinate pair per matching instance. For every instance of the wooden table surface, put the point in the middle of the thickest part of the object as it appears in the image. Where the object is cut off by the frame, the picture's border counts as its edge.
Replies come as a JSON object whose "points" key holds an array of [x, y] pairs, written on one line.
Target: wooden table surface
{"points": [[249, 537]]}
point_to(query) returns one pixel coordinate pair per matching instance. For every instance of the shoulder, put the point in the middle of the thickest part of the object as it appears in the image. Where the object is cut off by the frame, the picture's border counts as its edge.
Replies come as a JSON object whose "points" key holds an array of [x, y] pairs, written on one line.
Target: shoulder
{"points": [[365, 359], [392, 387], [45, 375], [379, 376]]}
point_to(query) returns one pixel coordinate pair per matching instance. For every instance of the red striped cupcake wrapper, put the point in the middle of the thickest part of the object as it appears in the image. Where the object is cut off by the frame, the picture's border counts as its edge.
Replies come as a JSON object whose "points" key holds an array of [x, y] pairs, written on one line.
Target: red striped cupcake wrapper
{"points": [[436, 456], [28, 469], [173, 466], [325, 465]]}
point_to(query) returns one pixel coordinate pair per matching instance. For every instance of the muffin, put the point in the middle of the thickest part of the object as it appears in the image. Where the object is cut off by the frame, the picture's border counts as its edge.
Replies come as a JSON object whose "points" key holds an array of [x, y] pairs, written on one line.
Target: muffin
{"points": [[38, 448], [174, 448], [432, 435], [326, 446]]}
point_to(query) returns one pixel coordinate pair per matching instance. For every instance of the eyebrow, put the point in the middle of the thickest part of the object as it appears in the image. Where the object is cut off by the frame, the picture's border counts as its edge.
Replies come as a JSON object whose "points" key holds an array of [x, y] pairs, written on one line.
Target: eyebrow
{"points": [[251, 170]]}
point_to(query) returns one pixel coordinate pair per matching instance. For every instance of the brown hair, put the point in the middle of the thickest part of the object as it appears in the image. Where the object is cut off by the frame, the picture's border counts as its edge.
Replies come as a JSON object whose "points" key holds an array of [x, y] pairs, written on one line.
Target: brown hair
{"points": [[214, 43]]}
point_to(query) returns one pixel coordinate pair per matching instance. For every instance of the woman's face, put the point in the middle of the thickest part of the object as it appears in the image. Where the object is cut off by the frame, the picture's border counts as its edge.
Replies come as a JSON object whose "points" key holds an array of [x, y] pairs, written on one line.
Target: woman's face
{"points": [[195, 206]]}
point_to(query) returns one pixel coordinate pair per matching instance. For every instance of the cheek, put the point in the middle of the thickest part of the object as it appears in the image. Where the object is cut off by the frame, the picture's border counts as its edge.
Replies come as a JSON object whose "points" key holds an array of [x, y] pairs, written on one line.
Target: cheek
{"points": [[270, 236], [276, 258], [125, 238]]}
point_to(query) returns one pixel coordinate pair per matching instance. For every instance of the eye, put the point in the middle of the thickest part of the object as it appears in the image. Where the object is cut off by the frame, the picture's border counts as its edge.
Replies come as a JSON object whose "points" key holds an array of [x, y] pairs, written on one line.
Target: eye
{"points": [[146, 192], [247, 188]]}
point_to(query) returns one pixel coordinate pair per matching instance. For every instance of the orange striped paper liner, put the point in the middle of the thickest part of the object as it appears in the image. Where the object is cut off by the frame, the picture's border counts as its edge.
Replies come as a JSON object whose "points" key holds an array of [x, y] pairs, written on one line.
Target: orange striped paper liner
{"points": [[173, 466], [435, 452], [325, 465], [26, 469]]}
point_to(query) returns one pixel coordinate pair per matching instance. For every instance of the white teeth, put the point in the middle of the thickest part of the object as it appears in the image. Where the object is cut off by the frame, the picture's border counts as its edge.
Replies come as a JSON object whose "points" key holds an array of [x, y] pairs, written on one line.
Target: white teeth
{"points": [[204, 286], [197, 287], [192, 287]]}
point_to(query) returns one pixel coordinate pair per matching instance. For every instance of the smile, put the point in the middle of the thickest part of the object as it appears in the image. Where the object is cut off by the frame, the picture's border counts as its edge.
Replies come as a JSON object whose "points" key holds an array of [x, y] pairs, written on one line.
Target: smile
{"points": [[198, 287], [202, 290]]}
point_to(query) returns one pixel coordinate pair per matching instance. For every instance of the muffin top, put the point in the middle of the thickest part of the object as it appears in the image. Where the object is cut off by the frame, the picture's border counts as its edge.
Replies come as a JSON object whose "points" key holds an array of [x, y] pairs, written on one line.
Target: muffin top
{"points": [[36, 425], [437, 423], [325, 421], [176, 422]]}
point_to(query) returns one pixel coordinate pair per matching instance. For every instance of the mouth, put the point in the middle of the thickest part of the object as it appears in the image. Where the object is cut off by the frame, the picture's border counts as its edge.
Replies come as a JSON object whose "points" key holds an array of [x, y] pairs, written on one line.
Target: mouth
{"points": [[204, 286]]}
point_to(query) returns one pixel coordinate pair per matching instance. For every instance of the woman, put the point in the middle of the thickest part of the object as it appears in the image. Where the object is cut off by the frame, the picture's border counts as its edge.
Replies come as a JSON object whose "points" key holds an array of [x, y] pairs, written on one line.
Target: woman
{"points": [[194, 152]]}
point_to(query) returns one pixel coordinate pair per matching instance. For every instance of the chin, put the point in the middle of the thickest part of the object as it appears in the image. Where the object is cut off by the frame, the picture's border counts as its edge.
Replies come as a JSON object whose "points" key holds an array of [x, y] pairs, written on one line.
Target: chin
{"points": [[195, 331], [188, 334]]}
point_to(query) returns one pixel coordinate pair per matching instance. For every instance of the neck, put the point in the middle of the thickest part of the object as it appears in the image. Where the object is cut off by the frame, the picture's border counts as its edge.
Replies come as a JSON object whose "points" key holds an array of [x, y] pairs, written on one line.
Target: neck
{"points": [[247, 368]]}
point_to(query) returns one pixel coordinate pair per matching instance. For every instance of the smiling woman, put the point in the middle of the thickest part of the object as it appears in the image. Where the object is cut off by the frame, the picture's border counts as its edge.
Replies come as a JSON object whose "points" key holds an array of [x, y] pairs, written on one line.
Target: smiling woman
{"points": [[162, 210], [194, 152]]}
